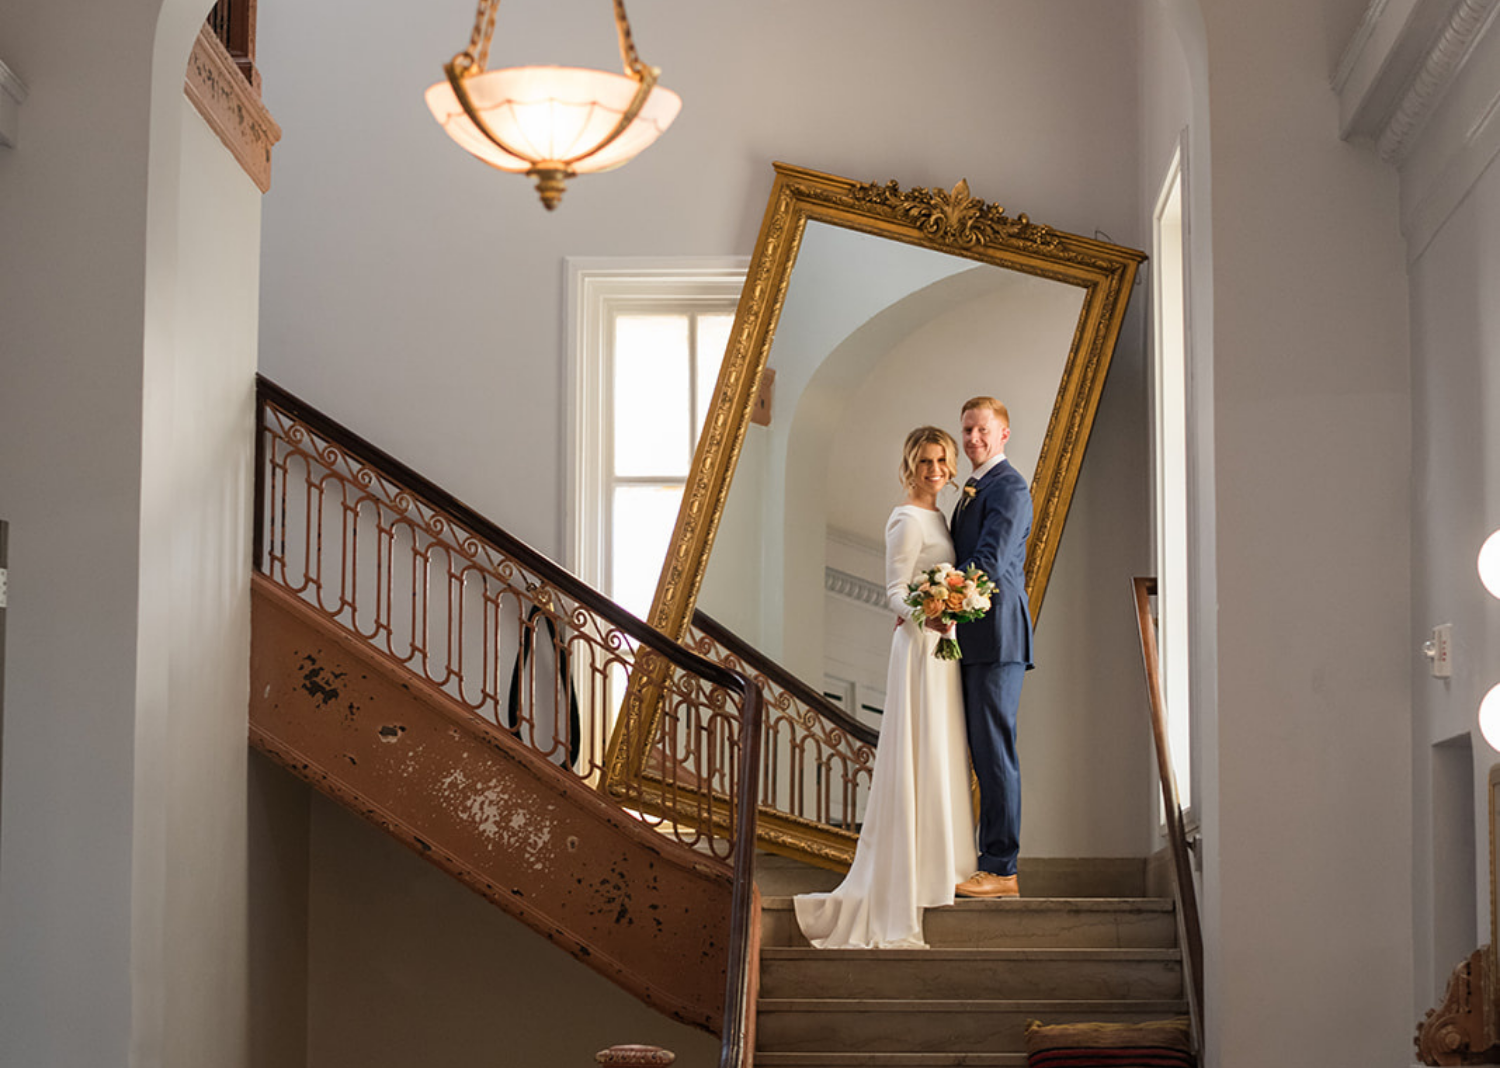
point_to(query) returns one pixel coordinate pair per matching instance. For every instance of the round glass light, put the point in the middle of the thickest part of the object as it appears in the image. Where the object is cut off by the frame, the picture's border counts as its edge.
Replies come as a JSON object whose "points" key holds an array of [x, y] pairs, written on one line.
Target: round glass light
{"points": [[1489, 717], [1489, 564], [553, 114]]}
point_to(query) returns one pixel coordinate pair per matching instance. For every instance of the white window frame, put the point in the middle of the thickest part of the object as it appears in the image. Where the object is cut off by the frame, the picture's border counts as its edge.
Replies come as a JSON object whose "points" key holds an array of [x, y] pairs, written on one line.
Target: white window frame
{"points": [[598, 289], [1176, 632]]}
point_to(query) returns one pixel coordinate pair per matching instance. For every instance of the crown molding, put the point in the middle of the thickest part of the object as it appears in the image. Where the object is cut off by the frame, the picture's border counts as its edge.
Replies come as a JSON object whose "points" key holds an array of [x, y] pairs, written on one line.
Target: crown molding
{"points": [[1399, 66], [13, 94], [1441, 65], [1358, 44]]}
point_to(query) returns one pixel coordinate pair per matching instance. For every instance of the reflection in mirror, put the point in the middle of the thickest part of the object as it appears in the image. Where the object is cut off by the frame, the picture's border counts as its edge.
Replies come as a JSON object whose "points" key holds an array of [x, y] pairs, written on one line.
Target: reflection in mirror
{"points": [[879, 310], [875, 338]]}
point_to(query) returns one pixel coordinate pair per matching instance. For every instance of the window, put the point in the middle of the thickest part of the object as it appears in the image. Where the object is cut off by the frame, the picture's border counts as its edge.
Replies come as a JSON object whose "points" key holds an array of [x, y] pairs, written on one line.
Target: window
{"points": [[647, 339], [1170, 432]]}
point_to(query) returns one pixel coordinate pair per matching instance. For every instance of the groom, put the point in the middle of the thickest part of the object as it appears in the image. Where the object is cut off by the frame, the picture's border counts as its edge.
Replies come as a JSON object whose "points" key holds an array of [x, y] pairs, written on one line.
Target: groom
{"points": [[990, 526]]}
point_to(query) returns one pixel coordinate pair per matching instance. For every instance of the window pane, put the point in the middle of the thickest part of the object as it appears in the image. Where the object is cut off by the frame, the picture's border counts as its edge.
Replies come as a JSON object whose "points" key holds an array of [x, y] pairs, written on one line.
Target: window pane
{"points": [[713, 338], [643, 521], [652, 436]]}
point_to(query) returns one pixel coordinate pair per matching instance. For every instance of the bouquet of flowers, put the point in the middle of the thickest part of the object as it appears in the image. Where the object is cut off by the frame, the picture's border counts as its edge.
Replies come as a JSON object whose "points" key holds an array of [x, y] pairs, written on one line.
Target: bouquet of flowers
{"points": [[947, 595]]}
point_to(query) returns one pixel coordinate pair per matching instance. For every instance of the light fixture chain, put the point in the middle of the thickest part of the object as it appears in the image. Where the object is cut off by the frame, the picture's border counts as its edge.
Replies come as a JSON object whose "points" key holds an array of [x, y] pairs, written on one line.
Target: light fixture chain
{"points": [[628, 54], [478, 52]]}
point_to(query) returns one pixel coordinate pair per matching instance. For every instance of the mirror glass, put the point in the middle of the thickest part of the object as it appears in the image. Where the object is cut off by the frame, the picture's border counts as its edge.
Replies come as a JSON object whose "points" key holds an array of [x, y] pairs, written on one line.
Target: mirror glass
{"points": [[876, 337], [877, 310]]}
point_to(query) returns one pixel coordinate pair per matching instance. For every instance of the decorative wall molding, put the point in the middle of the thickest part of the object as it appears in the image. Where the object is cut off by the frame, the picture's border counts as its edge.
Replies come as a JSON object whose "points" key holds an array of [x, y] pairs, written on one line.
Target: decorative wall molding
{"points": [[12, 95], [1357, 44], [1441, 65], [231, 107], [853, 587]]}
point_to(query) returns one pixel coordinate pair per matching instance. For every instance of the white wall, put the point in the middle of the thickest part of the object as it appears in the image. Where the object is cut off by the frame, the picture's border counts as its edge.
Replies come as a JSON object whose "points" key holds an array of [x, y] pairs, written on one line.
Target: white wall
{"points": [[195, 607], [127, 245], [1308, 872], [71, 242], [1455, 268]]}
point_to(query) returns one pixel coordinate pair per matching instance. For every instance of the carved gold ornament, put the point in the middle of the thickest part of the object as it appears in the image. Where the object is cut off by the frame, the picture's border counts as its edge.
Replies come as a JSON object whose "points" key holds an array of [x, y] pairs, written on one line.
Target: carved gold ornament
{"points": [[955, 216]]}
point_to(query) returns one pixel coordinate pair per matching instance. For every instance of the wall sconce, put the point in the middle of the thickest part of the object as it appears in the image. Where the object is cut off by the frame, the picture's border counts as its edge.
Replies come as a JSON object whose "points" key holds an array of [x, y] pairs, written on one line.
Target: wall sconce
{"points": [[1489, 574], [550, 123]]}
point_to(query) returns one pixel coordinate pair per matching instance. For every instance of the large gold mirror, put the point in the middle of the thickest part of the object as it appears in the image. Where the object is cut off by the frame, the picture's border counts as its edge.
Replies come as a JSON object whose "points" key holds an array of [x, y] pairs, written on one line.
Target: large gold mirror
{"points": [[878, 309]]}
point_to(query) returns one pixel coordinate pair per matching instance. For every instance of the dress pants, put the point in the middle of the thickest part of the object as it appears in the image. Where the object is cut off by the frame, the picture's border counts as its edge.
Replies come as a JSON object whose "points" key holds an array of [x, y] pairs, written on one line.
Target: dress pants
{"points": [[992, 697]]}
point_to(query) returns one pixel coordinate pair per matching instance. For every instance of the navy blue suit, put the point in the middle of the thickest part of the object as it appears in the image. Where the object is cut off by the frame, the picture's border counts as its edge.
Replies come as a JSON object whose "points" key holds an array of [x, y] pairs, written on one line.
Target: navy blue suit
{"points": [[990, 530]]}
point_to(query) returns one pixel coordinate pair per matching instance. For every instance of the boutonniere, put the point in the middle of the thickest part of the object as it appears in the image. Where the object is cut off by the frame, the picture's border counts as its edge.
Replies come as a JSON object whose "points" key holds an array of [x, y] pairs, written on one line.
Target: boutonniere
{"points": [[969, 492]]}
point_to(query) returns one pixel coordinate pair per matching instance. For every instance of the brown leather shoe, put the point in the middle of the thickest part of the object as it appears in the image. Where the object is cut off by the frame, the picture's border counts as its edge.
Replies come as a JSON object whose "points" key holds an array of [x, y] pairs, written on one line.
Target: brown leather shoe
{"points": [[988, 884]]}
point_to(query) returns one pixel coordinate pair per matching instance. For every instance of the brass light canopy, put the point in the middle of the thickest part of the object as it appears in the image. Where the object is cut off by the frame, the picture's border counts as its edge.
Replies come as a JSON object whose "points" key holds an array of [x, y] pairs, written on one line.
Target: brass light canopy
{"points": [[550, 123]]}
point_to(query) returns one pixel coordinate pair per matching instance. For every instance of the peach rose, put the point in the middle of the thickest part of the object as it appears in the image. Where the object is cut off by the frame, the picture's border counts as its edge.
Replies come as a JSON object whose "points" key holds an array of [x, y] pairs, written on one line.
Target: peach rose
{"points": [[955, 602], [934, 607], [955, 580]]}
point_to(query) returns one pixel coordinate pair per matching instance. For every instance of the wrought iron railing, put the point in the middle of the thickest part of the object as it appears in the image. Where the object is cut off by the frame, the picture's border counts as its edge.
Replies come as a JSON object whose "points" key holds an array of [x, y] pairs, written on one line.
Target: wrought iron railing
{"points": [[816, 760], [509, 635]]}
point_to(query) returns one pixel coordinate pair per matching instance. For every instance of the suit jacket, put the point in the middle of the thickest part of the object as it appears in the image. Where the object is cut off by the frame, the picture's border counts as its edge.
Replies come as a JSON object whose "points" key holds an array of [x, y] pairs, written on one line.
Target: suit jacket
{"points": [[990, 531]]}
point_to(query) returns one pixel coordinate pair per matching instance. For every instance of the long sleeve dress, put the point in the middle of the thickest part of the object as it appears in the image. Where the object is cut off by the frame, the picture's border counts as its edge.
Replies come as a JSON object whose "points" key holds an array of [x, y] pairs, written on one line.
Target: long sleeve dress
{"points": [[917, 840]]}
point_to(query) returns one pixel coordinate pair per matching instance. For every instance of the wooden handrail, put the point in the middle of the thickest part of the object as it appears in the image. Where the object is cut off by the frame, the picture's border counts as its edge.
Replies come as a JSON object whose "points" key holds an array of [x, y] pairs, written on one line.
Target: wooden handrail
{"points": [[1189, 925], [739, 1001]]}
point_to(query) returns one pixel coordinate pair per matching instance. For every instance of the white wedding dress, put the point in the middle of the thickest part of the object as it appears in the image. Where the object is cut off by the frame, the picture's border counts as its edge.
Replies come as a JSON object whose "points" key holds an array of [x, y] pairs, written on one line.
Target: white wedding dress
{"points": [[917, 841]]}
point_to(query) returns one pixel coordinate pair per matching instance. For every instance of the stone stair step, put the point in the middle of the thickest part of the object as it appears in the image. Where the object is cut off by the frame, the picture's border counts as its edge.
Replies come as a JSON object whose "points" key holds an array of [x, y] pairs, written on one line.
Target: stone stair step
{"points": [[881, 1025], [1100, 974], [1040, 876], [1019, 923], [890, 1060]]}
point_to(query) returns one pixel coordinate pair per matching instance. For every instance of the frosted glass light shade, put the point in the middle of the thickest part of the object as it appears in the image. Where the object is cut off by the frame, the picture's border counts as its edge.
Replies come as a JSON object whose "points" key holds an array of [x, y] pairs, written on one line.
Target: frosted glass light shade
{"points": [[1489, 717], [554, 115], [1489, 563]]}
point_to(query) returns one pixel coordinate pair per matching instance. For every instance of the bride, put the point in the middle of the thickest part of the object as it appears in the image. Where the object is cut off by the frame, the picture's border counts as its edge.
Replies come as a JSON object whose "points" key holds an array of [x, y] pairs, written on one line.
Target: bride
{"points": [[917, 840]]}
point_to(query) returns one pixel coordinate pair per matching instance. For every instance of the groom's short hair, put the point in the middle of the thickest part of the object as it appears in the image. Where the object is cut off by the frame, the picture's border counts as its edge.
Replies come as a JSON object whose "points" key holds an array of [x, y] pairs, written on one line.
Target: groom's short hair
{"points": [[1002, 413]]}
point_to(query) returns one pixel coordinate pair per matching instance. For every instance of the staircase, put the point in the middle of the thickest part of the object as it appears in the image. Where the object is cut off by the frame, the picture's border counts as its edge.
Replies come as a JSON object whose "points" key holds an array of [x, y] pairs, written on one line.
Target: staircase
{"points": [[990, 967], [421, 666]]}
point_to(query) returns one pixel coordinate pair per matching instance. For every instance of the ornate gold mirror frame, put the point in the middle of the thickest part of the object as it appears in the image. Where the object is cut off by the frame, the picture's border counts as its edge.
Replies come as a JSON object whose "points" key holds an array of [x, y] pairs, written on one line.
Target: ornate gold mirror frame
{"points": [[950, 222]]}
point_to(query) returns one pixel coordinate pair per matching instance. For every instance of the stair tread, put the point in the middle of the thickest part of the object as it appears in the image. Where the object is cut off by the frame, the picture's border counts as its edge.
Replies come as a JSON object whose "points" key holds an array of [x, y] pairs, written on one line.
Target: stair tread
{"points": [[1027, 904], [968, 953], [1068, 1005], [955, 1059]]}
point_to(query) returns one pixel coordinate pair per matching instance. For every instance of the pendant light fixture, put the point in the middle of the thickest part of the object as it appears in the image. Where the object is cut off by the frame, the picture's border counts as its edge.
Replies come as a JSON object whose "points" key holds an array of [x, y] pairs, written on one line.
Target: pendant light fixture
{"points": [[550, 123]]}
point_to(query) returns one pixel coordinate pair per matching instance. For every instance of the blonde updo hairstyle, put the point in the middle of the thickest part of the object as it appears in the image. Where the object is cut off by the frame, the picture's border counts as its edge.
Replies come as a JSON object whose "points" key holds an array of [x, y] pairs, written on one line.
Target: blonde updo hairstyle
{"points": [[919, 439]]}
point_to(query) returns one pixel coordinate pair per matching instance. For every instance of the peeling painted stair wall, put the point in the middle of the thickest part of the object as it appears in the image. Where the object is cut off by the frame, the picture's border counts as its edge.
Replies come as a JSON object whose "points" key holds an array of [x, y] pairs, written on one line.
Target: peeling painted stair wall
{"points": [[643, 910]]}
